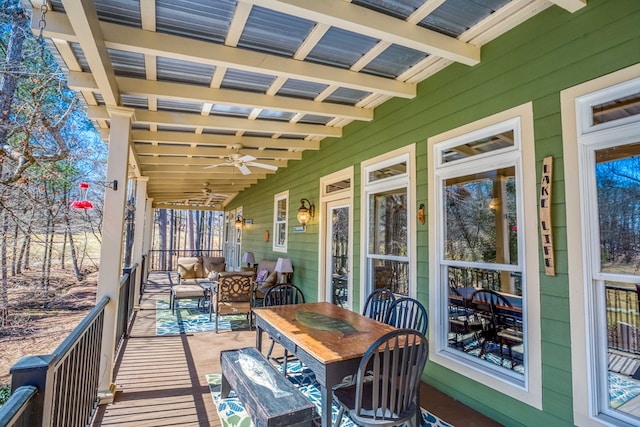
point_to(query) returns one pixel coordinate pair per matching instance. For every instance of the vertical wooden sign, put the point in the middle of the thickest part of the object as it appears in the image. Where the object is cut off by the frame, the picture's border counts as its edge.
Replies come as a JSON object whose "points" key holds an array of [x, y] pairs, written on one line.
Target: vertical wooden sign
{"points": [[546, 233]]}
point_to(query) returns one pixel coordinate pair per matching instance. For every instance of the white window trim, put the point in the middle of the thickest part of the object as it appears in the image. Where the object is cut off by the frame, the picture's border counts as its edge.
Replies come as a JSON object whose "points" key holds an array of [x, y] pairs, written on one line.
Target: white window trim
{"points": [[582, 366], [407, 153], [347, 195], [530, 391], [284, 195]]}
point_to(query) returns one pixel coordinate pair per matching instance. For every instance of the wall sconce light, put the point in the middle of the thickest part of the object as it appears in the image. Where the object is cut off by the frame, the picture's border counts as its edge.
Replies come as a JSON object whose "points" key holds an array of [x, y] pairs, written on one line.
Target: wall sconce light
{"points": [[304, 213], [239, 222], [421, 213]]}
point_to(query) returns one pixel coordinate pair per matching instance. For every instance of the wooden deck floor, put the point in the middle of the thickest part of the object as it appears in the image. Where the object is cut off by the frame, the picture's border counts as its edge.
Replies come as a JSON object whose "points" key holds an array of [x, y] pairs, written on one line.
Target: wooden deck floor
{"points": [[161, 379]]}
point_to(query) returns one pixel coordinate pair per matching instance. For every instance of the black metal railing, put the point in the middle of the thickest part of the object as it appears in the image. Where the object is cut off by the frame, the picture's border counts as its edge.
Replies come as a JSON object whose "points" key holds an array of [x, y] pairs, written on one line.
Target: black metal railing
{"points": [[463, 277], [623, 318], [61, 388], [126, 297], [167, 260]]}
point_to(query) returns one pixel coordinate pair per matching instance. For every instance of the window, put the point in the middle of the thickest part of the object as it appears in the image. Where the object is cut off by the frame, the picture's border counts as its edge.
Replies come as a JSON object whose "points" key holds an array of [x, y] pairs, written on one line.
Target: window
{"points": [[603, 244], [482, 245], [280, 221], [390, 241]]}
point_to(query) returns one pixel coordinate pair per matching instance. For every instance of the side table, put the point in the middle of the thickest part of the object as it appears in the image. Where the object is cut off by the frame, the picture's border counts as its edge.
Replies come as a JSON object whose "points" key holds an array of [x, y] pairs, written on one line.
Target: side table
{"points": [[209, 288]]}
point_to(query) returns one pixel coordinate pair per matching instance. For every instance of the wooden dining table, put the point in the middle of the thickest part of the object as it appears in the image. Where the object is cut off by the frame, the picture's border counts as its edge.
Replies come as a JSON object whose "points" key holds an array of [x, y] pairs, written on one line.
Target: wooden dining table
{"points": [[328, 339]]}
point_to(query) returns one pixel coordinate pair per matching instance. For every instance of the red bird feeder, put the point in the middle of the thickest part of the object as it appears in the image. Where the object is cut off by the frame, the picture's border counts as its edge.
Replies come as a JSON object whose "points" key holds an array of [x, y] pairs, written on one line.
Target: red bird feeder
{"points": [[83, 203]]}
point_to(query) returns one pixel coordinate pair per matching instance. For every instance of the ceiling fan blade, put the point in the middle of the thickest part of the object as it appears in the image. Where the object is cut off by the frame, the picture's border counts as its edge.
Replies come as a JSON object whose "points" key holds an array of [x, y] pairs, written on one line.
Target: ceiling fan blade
{"points": [[208, 201], [244, 169], [263, 166], [246, 158]]}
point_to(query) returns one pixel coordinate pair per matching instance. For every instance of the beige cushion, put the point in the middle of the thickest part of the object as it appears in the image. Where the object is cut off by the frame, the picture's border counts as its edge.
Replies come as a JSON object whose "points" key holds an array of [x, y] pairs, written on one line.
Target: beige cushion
{"points": [[200, 271], [209, 262], [271, 280], [187, 271], [187, 291], [214, 268]]}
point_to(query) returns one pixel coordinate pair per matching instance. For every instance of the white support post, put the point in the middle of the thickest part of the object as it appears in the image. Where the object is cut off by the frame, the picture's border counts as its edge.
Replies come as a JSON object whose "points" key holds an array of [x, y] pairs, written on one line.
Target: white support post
{"points": [[138, 235], [148, 234], [112, 247]]}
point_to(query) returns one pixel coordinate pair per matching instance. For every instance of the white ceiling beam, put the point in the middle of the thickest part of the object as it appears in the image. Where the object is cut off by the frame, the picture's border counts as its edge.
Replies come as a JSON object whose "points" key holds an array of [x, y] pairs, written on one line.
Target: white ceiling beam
{"points": [[191, 180], [83, 18], [148, 14], [190, 121], [570, 5], [188, 138], [211, 174], [181, 48], [80, 81], [196, 162], [311, 41], [238, 22], [423, 11], [181, 150], [361, 20]]}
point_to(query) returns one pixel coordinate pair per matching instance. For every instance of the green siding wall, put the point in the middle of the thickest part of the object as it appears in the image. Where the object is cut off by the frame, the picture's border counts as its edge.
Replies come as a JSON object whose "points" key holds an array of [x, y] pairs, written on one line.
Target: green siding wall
{"points": [[533, 62]]}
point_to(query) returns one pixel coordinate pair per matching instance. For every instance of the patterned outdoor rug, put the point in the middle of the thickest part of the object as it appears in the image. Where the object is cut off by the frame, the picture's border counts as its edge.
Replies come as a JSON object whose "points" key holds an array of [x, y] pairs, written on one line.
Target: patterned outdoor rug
{"points": [[621, 390], [232, 413], [189, 318]]}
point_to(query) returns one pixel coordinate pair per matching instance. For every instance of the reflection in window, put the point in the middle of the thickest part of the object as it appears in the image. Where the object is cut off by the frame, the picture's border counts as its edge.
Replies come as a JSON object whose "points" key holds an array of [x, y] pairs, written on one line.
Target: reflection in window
{"points": [[617, 173], [481, 217], [617, 109], [480, 261], [388, 223], [477, 147], [280, 216], [387, 217]]}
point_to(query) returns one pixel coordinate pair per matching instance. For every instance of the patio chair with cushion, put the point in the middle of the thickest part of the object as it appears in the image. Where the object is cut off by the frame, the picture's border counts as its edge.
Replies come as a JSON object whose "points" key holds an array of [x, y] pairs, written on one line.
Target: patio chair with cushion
{"points": [[234, 295], [386, 389]]}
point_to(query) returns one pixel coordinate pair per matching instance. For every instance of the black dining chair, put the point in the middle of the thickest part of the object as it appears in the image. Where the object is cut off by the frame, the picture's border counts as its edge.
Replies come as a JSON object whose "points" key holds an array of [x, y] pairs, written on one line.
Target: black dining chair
{"points": [[377, 304], [501, 326], [282, 294], [386, 389], [407, 312]]}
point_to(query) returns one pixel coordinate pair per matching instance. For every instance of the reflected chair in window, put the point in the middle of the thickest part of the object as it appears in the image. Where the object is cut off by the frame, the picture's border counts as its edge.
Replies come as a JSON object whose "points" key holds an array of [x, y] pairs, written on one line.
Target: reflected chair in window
{"points": [[234, 295], [378, 303], [386, 389], [283, 294], [464, 322], [501, 328], [407, 312]]}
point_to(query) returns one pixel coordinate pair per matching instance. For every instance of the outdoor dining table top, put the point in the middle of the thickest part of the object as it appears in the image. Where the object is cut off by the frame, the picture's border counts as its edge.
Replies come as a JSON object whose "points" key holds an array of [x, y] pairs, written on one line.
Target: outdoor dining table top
{"points": [[327, 332], [328, 339]]}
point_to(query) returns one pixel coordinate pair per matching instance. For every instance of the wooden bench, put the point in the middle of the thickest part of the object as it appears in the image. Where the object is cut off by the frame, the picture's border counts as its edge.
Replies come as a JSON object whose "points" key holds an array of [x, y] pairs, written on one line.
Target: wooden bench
{"points": [[267, 395]]}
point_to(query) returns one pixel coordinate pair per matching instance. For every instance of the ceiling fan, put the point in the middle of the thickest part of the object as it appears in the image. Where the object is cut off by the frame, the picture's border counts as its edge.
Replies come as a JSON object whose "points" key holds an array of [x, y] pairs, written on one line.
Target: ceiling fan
{"points": [[210, 196], [241, 161]]}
